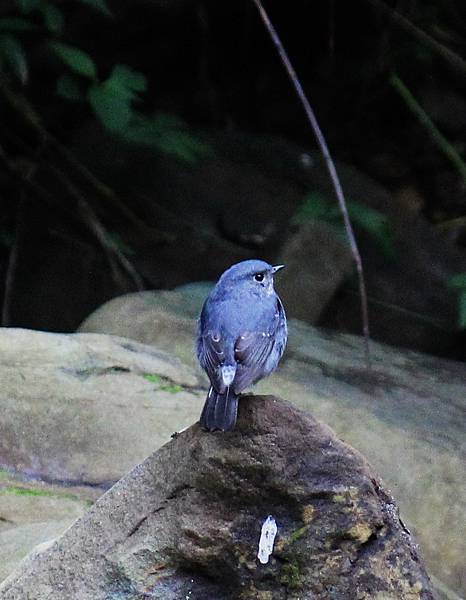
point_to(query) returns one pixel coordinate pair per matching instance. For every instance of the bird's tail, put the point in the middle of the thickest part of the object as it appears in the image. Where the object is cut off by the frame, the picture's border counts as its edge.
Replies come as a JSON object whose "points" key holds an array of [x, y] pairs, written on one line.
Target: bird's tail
{"points": [[219, 410]]}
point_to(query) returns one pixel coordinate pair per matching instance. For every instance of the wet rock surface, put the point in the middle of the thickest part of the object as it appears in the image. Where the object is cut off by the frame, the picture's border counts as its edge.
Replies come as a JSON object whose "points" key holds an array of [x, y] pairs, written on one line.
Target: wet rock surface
{"points": [[186, 523]]}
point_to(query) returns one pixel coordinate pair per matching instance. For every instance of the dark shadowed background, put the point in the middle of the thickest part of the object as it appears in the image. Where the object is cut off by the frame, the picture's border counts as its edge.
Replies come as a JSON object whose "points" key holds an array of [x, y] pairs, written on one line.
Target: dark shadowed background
{"points": [[149, 144]]}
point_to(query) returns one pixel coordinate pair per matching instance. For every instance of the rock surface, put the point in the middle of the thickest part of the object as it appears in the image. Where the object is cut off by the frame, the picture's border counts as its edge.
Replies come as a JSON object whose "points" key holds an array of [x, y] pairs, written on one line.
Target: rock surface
{"points": [[33, 513], [87, 408], [192, 531], [317, 262], [408, 414]]}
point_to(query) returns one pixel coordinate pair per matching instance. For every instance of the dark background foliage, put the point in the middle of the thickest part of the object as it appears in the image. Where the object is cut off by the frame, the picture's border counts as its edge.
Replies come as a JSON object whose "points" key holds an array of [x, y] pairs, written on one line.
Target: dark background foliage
{"points": [[120, 180]]}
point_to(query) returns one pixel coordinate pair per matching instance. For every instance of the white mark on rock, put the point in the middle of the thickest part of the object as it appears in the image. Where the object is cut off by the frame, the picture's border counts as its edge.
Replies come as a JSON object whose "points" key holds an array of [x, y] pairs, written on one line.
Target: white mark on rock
{"points": [[268, 533]]}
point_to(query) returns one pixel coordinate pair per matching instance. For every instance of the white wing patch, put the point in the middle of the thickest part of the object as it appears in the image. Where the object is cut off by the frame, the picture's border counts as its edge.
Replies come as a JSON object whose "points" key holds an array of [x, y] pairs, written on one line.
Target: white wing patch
{"points": [[228, 374]]}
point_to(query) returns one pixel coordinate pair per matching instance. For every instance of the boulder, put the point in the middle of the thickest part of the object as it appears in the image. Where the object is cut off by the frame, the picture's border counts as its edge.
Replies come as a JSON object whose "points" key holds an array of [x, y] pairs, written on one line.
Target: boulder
{"points": [[33, 513], [407, 413], [166, 319], [85, 408], [317, 262], [194, 531]]}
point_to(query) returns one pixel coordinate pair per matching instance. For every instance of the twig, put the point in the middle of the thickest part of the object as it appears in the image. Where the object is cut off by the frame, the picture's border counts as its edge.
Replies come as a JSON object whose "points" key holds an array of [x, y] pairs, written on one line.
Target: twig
{"points": [[27, 112], [451, 223], [330, 166], [412, 314], [89, 217], [451, 57], [103, 189], [93, 223], [32, 186], [448, 149]]}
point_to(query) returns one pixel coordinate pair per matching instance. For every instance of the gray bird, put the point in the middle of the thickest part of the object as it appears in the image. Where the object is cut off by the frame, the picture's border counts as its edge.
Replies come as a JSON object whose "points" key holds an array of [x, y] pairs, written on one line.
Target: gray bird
{"points": [[242, 336]]}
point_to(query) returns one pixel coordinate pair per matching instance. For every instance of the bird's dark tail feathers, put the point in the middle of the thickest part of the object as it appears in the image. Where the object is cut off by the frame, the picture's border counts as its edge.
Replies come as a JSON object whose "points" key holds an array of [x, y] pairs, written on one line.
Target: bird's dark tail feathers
{"points": [[219, 411]]}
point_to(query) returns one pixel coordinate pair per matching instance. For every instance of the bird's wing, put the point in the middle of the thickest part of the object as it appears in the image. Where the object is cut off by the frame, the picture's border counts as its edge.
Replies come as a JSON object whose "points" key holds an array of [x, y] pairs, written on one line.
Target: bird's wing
{"points": [[258, 352], [211, 356], [211, 347]]}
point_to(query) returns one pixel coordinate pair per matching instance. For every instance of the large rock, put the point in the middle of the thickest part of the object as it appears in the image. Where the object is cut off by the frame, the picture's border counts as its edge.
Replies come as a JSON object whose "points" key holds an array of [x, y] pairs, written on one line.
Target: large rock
{"points": [[86, 408], [407, 413], [193, 531], [33, 513], [317, 262], [166, 319]]}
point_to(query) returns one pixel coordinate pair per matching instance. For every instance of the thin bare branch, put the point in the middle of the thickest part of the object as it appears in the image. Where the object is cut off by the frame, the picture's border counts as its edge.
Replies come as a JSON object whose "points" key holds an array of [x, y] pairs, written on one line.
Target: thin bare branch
{"points": [[93, 223], [91, 220], [448, 55], [20, 105], [448, 149], [330, 166]]}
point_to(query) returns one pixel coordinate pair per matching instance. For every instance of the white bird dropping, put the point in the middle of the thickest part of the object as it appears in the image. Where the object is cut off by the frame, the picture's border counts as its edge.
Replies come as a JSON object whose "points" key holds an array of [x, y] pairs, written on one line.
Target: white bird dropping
{"points": [[268, 533]]}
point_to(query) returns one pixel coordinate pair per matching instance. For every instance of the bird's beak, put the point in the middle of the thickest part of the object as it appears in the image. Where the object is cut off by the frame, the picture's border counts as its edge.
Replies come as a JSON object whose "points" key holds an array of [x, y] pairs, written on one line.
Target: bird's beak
{"points": [[277, 268]]}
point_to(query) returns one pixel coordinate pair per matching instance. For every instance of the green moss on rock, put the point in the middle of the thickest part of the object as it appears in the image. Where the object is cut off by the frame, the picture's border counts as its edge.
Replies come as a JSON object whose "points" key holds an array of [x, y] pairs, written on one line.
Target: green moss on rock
{"points": [[291, 576]]}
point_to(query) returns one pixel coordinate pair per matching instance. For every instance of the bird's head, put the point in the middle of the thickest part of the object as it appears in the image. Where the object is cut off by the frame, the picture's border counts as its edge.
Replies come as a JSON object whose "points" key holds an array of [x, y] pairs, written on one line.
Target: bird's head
{"points": [[253, 275]]}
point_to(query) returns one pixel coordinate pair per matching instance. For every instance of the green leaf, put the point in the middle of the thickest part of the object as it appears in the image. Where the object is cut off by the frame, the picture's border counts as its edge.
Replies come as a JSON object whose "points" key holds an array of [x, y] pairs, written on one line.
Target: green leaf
{"points": [[462, 310], [112, 99], [165, 132], [111, 107], [369, 219], [112, 102], [99, 5], [375, 223], [12, 53], [457, 281], [53, 17], [316, 207], [16, 24], [27, 6], [76, 59], [68, 87], [127, 81]]}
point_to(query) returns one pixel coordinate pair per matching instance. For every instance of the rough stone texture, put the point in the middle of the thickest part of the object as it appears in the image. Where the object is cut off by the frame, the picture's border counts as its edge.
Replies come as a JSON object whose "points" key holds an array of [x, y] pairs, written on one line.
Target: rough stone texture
{"points": [[192, 531], [317, 262], [32, 513], [407, 414], [79, 408], [166, 319]]}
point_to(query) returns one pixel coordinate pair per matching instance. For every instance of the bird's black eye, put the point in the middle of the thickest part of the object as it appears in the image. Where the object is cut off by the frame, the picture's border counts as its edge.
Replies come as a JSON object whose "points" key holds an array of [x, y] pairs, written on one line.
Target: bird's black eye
{"points": [[259, 276]]}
